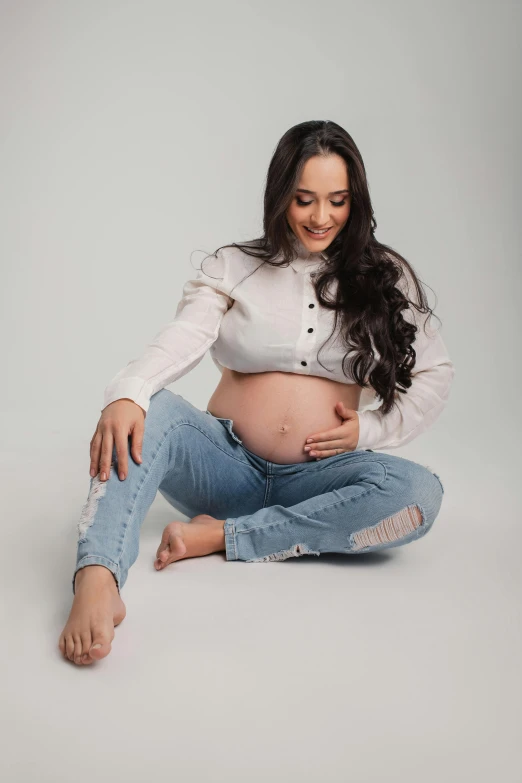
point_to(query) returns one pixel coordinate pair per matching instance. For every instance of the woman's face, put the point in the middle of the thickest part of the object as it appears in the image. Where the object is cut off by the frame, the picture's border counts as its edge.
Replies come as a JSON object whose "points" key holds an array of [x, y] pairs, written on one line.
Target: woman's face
{"points": [[321, 201]]}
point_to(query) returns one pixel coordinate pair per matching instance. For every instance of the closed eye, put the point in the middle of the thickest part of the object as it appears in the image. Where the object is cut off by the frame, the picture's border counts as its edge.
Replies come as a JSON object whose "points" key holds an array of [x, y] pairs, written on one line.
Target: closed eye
{"points": [[301, 203]]}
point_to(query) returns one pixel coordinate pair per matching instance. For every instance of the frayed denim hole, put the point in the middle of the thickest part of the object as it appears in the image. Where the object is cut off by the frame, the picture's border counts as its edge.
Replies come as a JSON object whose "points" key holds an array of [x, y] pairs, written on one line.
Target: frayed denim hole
{"points": [[390, 529], [296, 551], [97, 490]]}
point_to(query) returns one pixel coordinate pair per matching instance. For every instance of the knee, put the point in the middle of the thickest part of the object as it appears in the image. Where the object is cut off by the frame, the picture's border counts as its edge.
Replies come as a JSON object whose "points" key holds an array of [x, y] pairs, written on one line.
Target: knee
{"points": [[166, 411], [163, 407], [160, 400], [422, 492], [431, 493], [423, 487]]}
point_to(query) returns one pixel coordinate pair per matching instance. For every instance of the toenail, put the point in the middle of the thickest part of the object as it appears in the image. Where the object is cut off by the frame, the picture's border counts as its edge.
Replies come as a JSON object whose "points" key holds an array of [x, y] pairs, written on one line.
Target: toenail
{"points": [[95, 646]]}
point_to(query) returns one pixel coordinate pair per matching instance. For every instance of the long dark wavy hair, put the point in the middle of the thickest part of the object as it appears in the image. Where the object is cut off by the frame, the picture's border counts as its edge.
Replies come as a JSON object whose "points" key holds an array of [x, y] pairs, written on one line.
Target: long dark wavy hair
{"points": [[372, 278]]}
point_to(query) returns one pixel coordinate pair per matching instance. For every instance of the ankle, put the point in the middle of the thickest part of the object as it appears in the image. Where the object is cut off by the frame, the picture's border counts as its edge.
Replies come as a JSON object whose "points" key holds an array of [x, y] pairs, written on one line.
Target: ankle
{"points": [[95, 573]]}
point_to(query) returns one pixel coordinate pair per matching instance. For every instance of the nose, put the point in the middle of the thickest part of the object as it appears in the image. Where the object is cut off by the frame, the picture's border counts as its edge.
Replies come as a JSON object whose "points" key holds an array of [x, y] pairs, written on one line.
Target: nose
{"points": [[320, 216]]}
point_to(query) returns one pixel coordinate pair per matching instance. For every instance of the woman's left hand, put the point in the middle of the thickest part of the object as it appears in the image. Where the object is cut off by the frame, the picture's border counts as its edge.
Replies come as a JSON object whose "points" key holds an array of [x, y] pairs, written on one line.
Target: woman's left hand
{"points": [[343, 438]]}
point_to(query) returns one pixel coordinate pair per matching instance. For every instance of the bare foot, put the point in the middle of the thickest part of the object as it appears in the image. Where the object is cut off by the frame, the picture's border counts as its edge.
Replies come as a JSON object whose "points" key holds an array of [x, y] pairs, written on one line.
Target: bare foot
{"points": [[203, 535], [97, 608]]}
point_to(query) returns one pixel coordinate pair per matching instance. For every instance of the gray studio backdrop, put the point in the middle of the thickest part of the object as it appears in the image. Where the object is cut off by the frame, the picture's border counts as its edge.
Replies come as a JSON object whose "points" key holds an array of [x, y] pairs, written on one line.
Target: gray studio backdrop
{"points": [[135, 134]]}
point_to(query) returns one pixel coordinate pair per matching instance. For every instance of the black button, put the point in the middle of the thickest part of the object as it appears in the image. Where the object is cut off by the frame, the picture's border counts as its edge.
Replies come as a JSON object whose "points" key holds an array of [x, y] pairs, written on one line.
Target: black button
{"points": [[304, 364], [311, 305], [310, 330]]}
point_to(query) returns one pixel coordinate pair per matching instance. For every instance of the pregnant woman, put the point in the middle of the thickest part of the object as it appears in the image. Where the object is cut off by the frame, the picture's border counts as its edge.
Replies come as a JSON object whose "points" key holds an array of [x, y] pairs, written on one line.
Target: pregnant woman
{"points": [[309, 325]]}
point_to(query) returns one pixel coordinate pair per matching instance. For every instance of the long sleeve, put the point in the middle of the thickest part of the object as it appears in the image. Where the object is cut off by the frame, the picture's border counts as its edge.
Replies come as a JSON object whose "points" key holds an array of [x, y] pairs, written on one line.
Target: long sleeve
{"points": [[417, 409], [180, 345]]}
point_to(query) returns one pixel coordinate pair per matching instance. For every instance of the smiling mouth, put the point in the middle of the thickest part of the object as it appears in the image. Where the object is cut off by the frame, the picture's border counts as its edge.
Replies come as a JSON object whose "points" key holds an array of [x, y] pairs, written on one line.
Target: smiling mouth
{"points": [[318, 233]]}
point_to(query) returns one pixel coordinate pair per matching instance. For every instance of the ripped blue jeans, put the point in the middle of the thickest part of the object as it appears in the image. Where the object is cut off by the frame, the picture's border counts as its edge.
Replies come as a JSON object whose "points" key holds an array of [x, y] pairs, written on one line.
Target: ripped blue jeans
{"points": [[357, 501]]}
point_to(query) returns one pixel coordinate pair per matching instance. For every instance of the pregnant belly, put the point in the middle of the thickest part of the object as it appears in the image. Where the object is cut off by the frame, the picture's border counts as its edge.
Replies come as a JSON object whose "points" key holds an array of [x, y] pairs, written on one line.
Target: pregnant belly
{"points": [[275, 412]]}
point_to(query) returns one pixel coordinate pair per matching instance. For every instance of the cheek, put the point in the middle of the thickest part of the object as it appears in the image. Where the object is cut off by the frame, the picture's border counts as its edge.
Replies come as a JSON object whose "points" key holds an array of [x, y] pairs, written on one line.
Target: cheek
{"points": [[342, 216], [293, 216]]}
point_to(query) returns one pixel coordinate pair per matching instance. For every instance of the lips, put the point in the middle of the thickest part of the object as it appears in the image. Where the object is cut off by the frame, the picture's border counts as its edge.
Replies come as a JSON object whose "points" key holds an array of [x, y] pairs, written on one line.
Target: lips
{"points": [[321, 233]]}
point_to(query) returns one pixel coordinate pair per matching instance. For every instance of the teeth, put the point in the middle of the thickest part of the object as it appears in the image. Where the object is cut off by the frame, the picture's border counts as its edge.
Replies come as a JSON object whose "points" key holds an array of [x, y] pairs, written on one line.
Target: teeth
{"points": [[318, 232]]}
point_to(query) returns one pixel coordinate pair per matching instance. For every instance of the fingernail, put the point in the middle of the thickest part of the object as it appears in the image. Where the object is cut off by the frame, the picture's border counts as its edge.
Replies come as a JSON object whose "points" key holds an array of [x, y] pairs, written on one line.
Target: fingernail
{"points": [[103, 476], [92, 472], [310, 440], [122, 476]]}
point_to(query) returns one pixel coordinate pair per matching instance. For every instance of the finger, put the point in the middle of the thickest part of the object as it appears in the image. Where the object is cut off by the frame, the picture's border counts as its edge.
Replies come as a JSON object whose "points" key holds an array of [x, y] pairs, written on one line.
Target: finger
{"points": [[122, 449], [337, 433], [327, 444], [106, 454], [329, 453], [336, 436], [137, 442], [95, 453], [349, 413]]}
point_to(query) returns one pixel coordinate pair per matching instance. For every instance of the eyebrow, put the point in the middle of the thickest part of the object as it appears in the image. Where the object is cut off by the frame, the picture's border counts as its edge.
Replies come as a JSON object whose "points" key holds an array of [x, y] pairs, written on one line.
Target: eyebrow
{"points": [[313, 193]]}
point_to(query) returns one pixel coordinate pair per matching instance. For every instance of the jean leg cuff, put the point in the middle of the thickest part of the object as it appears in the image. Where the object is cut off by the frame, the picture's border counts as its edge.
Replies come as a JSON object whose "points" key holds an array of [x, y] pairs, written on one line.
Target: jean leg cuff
{"points": [[97, 560], [230, 540]]}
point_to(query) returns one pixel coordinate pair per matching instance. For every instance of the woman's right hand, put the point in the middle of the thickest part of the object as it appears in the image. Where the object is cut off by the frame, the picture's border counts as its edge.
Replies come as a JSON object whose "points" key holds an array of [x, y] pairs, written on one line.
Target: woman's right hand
{"points": [[119, 419]]}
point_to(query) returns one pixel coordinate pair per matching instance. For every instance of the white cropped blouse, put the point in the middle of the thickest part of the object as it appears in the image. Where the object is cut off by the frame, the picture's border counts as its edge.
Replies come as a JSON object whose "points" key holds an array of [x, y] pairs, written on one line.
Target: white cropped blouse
{"points": [[255, 318]]}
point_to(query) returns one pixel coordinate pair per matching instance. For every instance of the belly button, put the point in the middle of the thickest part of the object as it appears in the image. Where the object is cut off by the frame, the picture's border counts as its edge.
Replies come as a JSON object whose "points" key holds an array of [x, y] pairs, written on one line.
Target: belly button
{"points": [[283, 428]]}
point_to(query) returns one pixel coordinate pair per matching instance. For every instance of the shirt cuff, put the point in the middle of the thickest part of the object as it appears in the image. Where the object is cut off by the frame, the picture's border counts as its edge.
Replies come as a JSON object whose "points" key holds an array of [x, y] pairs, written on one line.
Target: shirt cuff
{"points": [[135, 389], [369, 428]]}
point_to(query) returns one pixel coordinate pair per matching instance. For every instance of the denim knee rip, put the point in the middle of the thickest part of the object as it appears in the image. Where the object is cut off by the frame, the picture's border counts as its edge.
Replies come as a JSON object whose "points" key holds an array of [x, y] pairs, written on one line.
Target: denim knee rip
{"points": [[388, 530], [97, 491]]}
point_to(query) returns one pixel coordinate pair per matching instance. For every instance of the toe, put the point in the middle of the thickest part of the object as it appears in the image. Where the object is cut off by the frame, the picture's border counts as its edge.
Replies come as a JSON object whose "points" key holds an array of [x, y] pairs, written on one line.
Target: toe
{"points": [[164, 541], [164, 552], [77, 655], [99, 650], [164, 555], [86, 645], [69, 647], [177, 546], [101, 643]]}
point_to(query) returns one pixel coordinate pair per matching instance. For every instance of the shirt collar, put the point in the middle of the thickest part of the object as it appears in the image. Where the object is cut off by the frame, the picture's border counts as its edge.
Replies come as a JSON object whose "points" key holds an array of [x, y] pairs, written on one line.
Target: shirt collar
{"points": [[305, 258]]}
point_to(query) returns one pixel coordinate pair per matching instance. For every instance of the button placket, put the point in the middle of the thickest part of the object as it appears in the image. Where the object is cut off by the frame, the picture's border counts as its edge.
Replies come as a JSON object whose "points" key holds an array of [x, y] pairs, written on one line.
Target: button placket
{"points": [[311, 318]]}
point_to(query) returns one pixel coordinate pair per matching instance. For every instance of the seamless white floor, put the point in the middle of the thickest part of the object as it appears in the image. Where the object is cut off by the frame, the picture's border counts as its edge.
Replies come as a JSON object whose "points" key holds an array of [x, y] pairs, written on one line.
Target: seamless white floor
{"points": [[402, 666]]}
